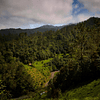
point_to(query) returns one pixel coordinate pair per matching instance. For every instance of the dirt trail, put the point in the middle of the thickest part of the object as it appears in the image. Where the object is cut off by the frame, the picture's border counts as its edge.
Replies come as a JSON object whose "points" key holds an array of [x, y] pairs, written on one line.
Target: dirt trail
{"points": [[24, 97], [52, 76]]}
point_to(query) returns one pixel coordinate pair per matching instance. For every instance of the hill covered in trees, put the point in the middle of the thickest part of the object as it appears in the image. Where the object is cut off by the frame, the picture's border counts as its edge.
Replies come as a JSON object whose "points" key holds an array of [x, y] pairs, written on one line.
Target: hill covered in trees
{"points": [[30, 31], [74, 50]]}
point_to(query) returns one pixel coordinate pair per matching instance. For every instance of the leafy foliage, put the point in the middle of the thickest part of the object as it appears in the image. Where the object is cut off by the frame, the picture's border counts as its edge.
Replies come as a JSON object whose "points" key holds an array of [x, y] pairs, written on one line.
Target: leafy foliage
{"points": [[83, 62], [74, 50]]}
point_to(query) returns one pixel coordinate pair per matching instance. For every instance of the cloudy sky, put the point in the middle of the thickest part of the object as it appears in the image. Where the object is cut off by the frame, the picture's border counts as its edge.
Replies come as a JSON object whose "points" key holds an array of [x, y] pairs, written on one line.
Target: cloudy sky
{"points": [[34, 13]]}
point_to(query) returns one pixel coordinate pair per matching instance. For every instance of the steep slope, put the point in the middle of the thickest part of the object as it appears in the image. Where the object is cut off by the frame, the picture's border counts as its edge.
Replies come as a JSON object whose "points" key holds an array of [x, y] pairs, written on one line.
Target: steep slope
{"points": [[91, 91]]}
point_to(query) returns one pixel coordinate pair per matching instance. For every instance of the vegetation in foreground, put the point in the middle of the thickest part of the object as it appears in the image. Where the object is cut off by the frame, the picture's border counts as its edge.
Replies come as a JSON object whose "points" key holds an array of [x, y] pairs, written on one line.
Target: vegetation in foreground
{"points": [[90, 91], [74, 50]]}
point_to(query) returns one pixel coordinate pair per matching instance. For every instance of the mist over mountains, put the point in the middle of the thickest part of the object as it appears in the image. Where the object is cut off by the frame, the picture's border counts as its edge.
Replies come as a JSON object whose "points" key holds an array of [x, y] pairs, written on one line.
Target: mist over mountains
{"points": [[30, 31], [89, 22]]}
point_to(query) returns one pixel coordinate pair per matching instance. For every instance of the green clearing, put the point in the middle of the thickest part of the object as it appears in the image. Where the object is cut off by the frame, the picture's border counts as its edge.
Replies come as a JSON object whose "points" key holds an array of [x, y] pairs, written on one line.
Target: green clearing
{"points": [[40, 64], [38, 72]]}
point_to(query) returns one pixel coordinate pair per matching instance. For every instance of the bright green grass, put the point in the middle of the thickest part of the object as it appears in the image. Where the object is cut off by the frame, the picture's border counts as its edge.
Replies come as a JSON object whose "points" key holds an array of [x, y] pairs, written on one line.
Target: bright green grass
{"points": [[90, 91], [39, 64]]}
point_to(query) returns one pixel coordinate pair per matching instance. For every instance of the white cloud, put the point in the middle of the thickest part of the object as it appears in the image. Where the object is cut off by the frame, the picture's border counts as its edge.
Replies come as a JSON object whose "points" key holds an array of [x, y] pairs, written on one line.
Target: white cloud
{"points": [[83, 17], [17, 13], [97, 15], [91, 5], [80, 18]]}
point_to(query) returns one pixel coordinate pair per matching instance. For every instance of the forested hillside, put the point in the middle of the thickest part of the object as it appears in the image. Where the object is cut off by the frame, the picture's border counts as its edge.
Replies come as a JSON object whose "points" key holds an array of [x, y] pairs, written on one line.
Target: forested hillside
{"points": [[27, 60], [30, 31], [83, 63]]}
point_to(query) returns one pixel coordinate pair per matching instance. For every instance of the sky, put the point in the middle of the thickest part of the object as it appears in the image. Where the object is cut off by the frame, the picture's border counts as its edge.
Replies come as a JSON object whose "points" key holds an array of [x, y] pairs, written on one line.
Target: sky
{"points": [[29, 14]]}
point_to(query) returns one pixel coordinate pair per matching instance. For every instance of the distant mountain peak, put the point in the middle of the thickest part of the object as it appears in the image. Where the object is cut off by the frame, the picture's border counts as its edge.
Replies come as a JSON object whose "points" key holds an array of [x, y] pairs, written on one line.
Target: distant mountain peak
{"points": [[47, 26]]}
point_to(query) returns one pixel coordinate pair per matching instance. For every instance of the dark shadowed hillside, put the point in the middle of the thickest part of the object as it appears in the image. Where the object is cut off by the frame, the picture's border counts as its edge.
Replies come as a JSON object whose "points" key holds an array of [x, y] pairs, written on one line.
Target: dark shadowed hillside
{"points": [[30, 31]]}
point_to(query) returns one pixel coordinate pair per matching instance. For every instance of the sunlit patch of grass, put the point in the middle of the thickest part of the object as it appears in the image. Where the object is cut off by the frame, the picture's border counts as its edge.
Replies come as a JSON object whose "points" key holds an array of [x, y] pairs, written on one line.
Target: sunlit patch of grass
{"points": [[39, 64], [90, 91], [37, 76]]}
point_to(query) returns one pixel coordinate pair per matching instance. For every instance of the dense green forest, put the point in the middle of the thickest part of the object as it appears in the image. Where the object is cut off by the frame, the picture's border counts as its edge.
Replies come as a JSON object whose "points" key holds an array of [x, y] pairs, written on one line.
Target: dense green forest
{"points": [[27, 60]]}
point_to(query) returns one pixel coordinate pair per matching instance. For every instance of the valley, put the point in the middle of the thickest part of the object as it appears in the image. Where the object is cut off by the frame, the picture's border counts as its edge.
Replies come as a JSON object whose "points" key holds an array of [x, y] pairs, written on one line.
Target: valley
{"points": [[56, 64]]}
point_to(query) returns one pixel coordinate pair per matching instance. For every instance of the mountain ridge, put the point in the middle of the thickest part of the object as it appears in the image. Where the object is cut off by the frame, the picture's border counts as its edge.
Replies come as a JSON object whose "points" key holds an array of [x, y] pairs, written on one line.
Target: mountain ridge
{"points": [[30, 31], [88, 22]]}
